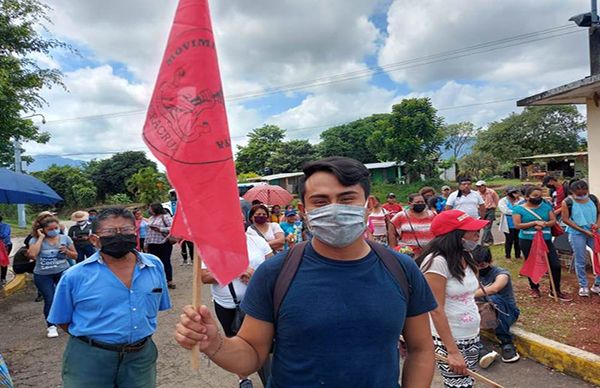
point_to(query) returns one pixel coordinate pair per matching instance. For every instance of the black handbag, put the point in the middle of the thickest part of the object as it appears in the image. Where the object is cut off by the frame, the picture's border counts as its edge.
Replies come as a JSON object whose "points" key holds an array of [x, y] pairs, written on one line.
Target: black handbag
{"points": [[238, 318]]}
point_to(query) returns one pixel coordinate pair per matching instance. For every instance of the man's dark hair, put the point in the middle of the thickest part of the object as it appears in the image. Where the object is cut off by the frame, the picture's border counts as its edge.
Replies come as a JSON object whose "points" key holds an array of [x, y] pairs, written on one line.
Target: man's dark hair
{"points": [[427, 189], [92, 211], [548, 179], [157, 209], [111, 212], [348, 172], [256, 202], [577, 185], [482, 254], [463, 179]]}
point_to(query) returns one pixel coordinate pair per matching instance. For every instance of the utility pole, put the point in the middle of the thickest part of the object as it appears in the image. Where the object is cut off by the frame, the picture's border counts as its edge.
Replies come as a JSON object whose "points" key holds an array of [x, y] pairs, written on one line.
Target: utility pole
{"points": [[18, 167]]}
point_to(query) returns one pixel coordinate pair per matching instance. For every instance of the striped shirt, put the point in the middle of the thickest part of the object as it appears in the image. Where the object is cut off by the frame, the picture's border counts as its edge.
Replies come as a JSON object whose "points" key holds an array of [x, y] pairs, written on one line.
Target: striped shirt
{"points": [[376, 223], [414, 231], [163, 222]]}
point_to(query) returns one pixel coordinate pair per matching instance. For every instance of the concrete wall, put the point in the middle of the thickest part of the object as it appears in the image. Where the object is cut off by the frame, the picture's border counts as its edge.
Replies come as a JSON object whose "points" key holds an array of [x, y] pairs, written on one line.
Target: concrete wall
{"points": [[593, 134]]}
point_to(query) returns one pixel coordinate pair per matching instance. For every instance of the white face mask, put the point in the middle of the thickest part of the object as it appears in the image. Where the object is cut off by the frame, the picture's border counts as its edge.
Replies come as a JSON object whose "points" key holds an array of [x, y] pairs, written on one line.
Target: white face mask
{"points": [[469, 245], [337, 225]]}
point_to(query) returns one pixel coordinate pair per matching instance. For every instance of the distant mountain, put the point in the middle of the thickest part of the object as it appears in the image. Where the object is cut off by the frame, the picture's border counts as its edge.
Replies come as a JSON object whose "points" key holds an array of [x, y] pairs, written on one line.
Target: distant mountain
{"points": [[42, 162], [465, 150]]}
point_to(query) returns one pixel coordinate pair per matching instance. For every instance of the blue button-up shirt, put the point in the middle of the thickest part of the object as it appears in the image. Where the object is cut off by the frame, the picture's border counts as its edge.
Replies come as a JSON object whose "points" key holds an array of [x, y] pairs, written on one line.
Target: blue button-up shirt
{"points": [[96, 304], [5, 233]]}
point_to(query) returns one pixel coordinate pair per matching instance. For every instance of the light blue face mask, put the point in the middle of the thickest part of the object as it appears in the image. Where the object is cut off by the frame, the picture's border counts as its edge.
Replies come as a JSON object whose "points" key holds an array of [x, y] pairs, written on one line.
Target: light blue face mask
{"points": [[469, 245], [53, 233], [337, 225], [581, 197]]}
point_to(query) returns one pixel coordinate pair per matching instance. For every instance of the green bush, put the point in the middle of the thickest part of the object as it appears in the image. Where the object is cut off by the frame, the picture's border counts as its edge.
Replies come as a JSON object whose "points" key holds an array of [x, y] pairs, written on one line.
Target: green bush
{"points": [[118, 199]]}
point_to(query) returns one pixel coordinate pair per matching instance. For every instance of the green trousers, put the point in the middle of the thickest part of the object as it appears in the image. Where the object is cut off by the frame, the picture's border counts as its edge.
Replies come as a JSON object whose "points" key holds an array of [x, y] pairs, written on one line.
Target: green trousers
{"points": [[91, 367]]}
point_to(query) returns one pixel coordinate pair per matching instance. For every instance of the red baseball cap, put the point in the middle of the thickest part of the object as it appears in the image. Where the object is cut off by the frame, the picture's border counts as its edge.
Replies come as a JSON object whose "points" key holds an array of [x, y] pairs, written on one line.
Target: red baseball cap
{"points": [[450, 220]]}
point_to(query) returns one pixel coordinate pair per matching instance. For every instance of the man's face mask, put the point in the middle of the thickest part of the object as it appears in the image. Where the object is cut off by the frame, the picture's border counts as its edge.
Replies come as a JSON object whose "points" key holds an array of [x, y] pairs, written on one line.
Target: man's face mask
{"points": [[337, 225], [119, 245]]}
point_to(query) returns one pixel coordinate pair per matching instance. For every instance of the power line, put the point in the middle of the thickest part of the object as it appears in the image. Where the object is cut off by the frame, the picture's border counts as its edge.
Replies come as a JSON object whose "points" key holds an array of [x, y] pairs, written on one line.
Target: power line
{"points": [[293, 130], [480, 48]]}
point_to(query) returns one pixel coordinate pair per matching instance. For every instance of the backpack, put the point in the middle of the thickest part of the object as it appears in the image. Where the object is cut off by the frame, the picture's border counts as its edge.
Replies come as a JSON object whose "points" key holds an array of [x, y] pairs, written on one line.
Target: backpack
{"points": [[569, 202], [292, 260]]}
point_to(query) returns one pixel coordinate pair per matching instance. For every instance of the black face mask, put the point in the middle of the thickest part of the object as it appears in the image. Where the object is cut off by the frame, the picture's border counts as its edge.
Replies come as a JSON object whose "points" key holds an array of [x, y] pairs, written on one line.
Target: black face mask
{"points": [[419, 207], [484, 271], [119, 245], [536, 201]]}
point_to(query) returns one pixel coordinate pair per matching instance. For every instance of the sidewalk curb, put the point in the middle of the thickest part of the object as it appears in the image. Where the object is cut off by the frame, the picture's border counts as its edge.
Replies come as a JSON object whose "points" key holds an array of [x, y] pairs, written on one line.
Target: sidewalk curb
{"points": [[15, 285], [561, 357]]}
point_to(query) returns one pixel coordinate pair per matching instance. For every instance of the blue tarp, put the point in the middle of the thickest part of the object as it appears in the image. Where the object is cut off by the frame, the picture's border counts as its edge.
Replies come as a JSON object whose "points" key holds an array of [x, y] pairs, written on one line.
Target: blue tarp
{"points": [[23, 188]]}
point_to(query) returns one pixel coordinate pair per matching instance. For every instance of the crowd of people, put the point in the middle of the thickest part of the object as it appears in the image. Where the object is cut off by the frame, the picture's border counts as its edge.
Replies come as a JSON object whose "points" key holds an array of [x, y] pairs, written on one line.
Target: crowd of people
{"points": [[308, 309]]}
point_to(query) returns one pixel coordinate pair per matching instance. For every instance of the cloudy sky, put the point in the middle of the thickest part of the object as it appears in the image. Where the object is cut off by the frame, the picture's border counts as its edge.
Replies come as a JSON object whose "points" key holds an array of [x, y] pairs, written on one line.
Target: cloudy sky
{"points": [[307, 65]]}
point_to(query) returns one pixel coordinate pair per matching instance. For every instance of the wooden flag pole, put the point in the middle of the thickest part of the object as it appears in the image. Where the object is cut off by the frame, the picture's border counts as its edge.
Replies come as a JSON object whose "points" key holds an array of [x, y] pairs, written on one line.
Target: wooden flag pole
{"points": [[196, 301], [552, 285], [474, 375]]}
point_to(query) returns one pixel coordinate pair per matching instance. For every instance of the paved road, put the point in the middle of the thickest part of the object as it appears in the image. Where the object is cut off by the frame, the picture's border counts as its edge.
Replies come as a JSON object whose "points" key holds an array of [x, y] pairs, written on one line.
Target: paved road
{"points": [[35, 361]]}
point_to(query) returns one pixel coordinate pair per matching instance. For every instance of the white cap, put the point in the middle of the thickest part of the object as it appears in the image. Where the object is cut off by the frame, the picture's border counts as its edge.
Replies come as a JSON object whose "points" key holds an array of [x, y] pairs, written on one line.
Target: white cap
{"points": [[480, 183]]}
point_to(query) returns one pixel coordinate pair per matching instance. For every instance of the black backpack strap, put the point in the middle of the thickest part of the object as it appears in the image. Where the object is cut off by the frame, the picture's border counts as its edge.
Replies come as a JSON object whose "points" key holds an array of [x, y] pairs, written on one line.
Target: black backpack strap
{"points": [[290, 266], [233, 294], [392, 264]]}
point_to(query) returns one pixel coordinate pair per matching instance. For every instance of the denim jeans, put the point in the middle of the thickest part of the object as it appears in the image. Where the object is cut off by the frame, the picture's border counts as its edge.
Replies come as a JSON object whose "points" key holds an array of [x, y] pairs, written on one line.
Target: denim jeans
{"points": [[487, 237], [507, 316], [578, 243], [88, 366], [46, 285]]}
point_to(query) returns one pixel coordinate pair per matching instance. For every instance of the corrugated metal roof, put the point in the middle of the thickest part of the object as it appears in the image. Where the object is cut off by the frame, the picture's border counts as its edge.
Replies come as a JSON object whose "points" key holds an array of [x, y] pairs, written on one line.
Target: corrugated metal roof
{"points": [[281, 176], [546, 156], [374, 166]]}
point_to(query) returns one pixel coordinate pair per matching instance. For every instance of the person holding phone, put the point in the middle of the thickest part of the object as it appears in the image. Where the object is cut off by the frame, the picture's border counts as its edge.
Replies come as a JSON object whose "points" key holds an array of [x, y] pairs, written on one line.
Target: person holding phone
{"points": [[50, 250]]}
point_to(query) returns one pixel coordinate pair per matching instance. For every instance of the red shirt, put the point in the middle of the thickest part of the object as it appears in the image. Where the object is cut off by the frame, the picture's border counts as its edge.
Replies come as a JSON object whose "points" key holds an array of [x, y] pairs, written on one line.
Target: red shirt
{"points": [[392, 208], [416, 233], [559, 194]]}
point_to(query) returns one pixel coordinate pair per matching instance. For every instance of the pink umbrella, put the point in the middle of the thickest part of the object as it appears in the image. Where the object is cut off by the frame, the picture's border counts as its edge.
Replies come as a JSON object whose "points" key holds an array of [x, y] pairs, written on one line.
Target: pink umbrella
{"points": [[269, 194]]}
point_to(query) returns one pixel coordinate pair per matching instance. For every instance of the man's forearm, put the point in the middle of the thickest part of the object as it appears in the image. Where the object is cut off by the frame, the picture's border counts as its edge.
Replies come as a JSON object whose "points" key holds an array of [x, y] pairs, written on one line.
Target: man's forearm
{"points": [[418, 368], [235, 355]]}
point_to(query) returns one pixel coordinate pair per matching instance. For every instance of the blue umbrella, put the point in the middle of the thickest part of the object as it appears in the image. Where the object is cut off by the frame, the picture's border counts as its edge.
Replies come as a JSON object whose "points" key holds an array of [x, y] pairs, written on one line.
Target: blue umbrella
{"points": [[21, 188]]}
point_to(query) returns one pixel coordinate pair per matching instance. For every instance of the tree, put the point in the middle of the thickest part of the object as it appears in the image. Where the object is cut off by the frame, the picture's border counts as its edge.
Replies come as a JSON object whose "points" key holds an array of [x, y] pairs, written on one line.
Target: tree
{"points": [[110, 174], [71, 183], [478, 165], [21, 77], [536, 130], [350, 139], [148, 186], [263, 143], [414, 135], [292, 155], [458, 136]]}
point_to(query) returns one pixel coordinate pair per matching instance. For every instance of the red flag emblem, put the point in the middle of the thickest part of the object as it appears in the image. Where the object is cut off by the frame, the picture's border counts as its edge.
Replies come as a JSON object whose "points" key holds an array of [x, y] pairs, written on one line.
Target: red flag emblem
{"points": [[186, 129], [535, 267]]}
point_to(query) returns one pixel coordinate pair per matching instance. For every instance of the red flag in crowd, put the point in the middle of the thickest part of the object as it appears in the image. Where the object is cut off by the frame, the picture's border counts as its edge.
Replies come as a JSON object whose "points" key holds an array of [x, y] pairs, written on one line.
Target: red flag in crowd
{"points": [[186, 129], [536, 265], [596, 255]]}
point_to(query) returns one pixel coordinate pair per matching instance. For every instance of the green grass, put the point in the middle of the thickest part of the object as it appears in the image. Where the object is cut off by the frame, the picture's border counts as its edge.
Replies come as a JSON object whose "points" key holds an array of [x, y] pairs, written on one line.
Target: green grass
{"points": [[381, 190]]}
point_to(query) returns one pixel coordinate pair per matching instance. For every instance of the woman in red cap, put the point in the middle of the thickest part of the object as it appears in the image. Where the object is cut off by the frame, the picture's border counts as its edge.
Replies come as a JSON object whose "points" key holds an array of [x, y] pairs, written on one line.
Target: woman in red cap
{"points": [[451, 272]]}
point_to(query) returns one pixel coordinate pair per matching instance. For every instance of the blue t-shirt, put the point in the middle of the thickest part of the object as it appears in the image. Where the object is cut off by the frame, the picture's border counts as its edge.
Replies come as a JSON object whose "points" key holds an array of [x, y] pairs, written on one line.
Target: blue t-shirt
{"points": [[340, 321], [526, 216], [288, 229]]}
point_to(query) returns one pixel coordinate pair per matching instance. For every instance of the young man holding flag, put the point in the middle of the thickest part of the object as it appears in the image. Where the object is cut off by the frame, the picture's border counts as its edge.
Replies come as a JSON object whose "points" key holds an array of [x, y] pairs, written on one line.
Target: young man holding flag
{"points": [[343, 312]]}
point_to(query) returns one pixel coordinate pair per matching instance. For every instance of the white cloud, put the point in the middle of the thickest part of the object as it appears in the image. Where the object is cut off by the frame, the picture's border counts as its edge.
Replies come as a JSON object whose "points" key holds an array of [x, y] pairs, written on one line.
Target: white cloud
{"points": [[417, 28]]}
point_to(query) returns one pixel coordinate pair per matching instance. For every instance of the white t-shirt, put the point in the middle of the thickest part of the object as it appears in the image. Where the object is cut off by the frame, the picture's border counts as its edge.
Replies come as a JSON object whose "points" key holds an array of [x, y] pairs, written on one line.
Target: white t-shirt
{"points": [[467, 203], [460, 307], [270, 234], [377, 221], [258, 248]]}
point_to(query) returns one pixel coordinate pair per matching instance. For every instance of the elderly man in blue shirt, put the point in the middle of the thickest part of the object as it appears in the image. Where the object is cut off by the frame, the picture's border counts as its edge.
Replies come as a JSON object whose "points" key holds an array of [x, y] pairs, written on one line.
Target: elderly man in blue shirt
{"points": [[109, 305]]}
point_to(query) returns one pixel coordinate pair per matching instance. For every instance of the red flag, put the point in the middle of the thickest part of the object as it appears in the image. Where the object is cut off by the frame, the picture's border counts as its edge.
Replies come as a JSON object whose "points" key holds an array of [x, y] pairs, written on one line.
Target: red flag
{"points": [[186, 129], [596, 255], [536, 265]]}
